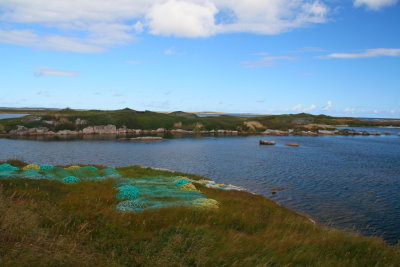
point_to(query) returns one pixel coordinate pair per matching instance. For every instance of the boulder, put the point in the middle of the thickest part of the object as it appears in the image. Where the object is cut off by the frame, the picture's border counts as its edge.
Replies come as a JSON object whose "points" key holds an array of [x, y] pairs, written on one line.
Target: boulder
{"points": [[79, 121], [105, 129], [295, 145], [266, 142], [88, 130], [67, 132]]}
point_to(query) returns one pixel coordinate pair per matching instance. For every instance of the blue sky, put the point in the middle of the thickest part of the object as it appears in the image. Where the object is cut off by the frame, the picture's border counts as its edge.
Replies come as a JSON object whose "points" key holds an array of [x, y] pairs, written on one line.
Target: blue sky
{"points": [[271, 57]]}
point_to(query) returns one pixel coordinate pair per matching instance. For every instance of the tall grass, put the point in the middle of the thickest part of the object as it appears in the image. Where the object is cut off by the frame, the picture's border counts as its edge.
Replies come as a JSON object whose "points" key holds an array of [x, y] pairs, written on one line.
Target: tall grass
{"points": [[47, 223]]}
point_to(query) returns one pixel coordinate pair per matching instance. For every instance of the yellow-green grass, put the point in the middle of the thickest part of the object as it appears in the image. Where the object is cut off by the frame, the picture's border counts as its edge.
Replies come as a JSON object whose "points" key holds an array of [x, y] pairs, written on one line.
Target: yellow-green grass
{"points": [[47, 223]]}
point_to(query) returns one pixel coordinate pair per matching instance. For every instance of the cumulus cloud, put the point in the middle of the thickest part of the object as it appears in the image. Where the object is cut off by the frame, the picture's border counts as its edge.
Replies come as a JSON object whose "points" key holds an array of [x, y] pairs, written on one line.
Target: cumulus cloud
{"points": [[374, 4], [376, 52], [328, 106], [266, 61], [298, 107], [95, 25], [310, 108], [46, 71]]}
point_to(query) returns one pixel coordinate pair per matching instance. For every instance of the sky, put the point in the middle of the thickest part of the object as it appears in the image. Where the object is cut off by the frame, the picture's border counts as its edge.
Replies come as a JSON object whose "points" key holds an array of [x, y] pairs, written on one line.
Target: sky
{"points": [[334, 57]]}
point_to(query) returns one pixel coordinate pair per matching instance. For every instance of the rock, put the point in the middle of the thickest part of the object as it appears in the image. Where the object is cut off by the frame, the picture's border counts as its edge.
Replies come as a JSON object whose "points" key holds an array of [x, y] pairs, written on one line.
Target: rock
{"points": [[122, 130], [295, 145], [105, 129], [160, 130], [67, 132], [41, 130], [265, 142], [388, 133], [327, 132], [275, 132], [398, 134], [88, 130], [49, 122], [21, 130], [79, 121], [178, 131]]}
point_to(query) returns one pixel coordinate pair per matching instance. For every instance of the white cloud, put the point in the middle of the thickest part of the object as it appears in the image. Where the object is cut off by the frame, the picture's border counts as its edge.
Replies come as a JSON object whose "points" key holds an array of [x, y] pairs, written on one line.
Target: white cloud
{"points": [[376, 52], [328, 105], [374, 4], [95, 25], [46, 71], [266, 61], [298, 107], [310, 108], [182, 18]]}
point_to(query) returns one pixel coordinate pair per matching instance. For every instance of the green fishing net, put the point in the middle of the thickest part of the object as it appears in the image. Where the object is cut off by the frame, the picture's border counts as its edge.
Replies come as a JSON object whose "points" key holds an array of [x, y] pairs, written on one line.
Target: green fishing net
{"points": [[135, 194], [70, 180], [7, 170], [156, 192]]}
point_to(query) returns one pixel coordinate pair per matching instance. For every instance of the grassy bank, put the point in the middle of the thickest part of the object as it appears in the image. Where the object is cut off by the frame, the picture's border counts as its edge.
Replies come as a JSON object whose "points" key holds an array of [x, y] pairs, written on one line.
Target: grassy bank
{"points": [[49, 223], [66, 119]]}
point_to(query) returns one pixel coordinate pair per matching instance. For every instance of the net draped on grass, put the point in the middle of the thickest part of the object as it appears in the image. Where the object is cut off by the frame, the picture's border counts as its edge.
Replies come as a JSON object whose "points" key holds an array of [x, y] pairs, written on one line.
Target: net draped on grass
{"points": [[159, 192], [134, 194], [50, 172]]}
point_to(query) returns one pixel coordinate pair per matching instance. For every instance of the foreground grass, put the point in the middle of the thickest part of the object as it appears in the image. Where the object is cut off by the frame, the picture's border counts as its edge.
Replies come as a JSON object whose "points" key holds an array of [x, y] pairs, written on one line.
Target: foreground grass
{"points": [[47, 223]]}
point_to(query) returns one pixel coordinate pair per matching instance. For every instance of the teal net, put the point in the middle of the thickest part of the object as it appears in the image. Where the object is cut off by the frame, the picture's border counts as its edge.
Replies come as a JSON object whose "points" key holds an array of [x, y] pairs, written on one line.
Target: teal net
{"points": [[156, 192], [31, 174], [7, 170], [70, 180], [127, 192], [111, 173], [135, 194]]}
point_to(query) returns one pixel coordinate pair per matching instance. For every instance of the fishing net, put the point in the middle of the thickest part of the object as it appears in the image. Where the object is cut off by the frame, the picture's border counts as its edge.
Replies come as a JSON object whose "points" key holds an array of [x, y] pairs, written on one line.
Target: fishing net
{"points": [[205, 203], [31, 174], [127, 192], [135, 194], [70, 180], [7, 170], [32, 166], [159, 192], [111, 173], [46, 167]]}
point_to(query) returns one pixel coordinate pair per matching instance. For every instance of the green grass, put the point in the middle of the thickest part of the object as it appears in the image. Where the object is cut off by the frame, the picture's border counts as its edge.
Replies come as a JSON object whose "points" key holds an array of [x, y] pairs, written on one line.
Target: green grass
{"points": [[47, 223], [147, 120]]}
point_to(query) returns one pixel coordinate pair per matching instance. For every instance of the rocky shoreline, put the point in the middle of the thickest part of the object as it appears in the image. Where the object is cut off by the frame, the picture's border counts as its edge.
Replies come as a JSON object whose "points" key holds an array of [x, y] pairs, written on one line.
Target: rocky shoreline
{"points": [[113, 130]]}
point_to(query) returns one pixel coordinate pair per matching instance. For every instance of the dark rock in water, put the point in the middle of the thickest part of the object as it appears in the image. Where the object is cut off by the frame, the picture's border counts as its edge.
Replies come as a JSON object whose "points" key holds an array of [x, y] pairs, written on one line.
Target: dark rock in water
{"points": [[292, 145], [265, 142], [184, 114], [387, 133]]}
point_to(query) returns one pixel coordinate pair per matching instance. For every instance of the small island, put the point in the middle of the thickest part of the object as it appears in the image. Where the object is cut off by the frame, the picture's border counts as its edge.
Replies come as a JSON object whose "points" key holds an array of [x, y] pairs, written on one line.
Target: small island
{"points": [[68, 122]]}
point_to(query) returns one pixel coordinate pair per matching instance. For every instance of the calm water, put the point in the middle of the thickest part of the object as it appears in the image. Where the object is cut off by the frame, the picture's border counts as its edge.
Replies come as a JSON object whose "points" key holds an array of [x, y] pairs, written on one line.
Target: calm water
{"points": [[349, 182], [11, 115]]}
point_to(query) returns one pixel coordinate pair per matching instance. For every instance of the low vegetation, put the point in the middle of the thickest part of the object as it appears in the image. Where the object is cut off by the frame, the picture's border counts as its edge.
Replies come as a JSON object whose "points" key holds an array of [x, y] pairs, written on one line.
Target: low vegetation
{"points": [[47, 223], [68, 119]]}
